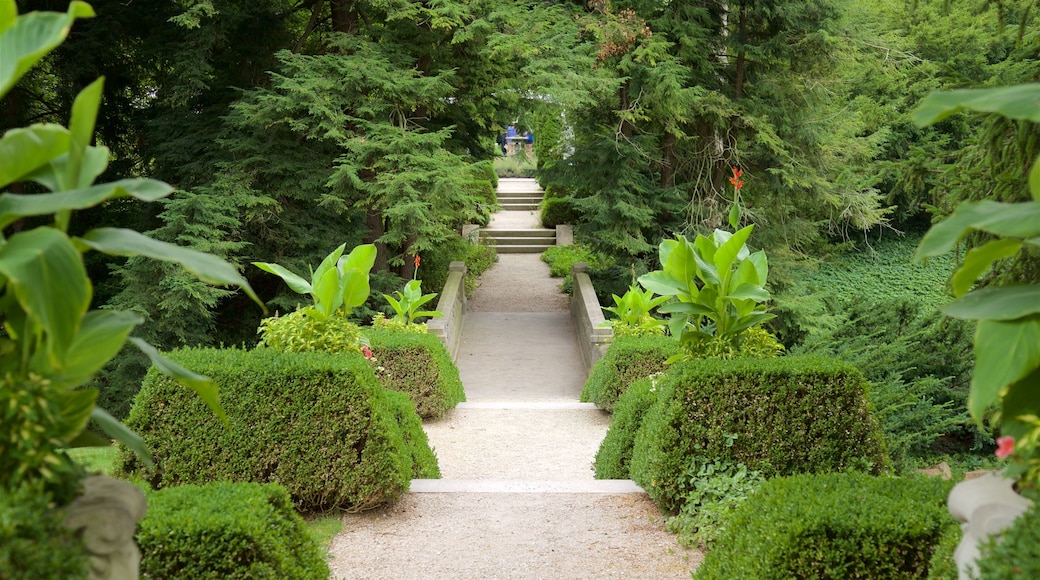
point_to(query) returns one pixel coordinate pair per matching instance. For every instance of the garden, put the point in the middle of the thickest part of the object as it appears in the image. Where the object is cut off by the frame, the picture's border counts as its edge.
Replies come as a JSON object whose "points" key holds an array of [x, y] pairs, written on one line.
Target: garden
{"points": [[813, 226]]}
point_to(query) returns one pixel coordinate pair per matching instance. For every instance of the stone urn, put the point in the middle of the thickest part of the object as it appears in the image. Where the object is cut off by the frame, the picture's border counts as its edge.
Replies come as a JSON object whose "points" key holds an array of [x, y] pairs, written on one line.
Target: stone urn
{"points": [[985, 506], [105, 518]]}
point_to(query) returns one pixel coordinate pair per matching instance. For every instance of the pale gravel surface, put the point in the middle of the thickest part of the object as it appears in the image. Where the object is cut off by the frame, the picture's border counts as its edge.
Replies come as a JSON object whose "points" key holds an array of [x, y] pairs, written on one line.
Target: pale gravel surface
{"points": [[515, 347]]}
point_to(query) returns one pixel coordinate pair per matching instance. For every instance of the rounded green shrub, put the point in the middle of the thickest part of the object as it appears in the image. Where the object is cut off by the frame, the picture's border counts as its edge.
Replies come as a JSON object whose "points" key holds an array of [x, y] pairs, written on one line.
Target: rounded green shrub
{"points": [[300, 332], [319, 424], [1016, 554], [615, 452], [558, 211], [839, 525], [33, 543], [418, 365], [942, 566], [227, 530], [628, 359], [778, 416]]}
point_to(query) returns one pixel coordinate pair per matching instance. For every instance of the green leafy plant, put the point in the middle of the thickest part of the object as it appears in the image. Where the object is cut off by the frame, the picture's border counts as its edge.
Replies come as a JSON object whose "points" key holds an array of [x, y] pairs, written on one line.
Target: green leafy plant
{"points": [[340, 282], [633, 312], [52, 342], [406, 305], [717, 283], [304, 331], [1007, 337]]}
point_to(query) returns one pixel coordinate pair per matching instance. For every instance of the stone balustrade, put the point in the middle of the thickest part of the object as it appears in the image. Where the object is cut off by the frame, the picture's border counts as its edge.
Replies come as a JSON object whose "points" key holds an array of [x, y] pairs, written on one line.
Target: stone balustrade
{"points": [[593, 338], [452, 305]]}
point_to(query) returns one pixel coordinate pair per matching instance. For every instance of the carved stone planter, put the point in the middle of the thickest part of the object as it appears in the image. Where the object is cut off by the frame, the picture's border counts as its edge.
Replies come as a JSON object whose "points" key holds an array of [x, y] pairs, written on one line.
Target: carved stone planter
{"points": [[105, 518], [985, 506]]}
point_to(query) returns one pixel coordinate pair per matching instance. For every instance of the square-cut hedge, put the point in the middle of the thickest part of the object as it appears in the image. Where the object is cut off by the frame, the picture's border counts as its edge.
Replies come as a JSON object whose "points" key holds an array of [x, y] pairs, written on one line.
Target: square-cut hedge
{"points": [[846, 525], [418, 365], [615, 452], [227, 530], [319, 424], [628, 359], [789, 414]]}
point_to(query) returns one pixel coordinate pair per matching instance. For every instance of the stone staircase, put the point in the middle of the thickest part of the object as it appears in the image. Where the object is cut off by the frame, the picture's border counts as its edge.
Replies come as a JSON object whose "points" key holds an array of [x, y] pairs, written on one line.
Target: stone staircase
{"points": [[516, 228]]}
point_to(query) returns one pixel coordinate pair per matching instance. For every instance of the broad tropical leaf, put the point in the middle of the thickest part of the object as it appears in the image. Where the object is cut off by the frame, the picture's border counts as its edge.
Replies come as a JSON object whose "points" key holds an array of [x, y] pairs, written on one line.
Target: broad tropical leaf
{"points": [[101, 336], [296, 283], [15, 206], [31, 37], [23, 151], [1020, 102], [659, 282], [1005, 352], [81, 128], [978, 260], [205, 267], [997, 303], [116, 430], [74, 407], [46, 273], [1016, 220]]}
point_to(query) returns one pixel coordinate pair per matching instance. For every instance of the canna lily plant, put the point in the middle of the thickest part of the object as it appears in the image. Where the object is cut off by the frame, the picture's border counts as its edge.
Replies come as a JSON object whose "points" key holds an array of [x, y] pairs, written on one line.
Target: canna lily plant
{"points": [[1007, 337], [406, 305], [633, 312], [52, 343], [340, 282], [717, 286]]}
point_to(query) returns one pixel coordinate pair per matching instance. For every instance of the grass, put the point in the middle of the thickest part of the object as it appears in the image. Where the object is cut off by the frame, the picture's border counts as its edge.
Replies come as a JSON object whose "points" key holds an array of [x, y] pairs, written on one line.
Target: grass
{"points": [[515, 166], [95, 459], [323, 528]]}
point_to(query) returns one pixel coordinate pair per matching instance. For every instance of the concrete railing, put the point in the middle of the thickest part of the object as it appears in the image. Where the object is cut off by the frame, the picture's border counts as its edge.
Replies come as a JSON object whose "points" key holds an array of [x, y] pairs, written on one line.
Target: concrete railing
{"points": [[452, 305], [588, 316]]}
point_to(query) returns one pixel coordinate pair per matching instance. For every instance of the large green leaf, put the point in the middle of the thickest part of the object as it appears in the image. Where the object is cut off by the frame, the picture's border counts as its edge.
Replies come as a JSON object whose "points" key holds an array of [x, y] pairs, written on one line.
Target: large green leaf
{"points": [[1005, 352], [1020, 102], [14, 206], [31, 37], [686, 308], [8, 12], [1034, 179], [681, 264], [296, 283], [997, 303], [54, 175], [101, 336], [751, 320], [74, 407], [361, 258], [329, 263], [327, 297], [46, 273], [1014, 220], [356, 288], [661, 283], [1022, 398], [119, 432], [202, 385], [727, 253], [81, 127], [205, 267], [978, 260], [749, 292], [23, 151]]}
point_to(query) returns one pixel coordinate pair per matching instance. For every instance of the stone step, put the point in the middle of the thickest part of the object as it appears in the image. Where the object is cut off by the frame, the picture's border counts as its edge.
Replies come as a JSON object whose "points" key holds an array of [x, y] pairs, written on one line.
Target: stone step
{"points": [[611, 486], [519, 207], [519, 194], [516, 233], [526, 249]]}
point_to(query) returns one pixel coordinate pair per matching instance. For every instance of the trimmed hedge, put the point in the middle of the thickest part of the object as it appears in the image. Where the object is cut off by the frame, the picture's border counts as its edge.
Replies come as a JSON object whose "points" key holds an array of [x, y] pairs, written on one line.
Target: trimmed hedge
{"points": [[789, 415], [33, 543], [227, 530], [317, 423], [628, 359], [846, 525], [557, 211], [615, 452], [1017, 553], [418, 365], [942, 566]]}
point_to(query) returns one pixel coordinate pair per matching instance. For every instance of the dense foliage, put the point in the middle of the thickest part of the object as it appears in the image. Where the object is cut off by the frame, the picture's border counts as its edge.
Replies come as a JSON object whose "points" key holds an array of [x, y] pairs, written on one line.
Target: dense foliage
{"points": [[418, 365], [33, 543], [318, 424], [627, 360], [833, 526], [226, 530], [778, 416]]}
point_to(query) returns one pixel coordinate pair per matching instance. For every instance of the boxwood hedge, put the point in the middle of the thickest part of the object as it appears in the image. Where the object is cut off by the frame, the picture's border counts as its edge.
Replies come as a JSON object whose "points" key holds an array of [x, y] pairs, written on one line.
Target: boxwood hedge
{"points": [[847, 525], [789, 415], [615, 452], [227, 530], [628, 359], [420, 366], [317, 423]]}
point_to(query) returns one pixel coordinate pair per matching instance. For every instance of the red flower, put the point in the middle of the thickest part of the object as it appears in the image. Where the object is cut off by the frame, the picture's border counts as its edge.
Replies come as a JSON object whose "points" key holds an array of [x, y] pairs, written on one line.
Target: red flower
{"points": [[735, 180], [1005, 446], [366, 351], [417, 260]]}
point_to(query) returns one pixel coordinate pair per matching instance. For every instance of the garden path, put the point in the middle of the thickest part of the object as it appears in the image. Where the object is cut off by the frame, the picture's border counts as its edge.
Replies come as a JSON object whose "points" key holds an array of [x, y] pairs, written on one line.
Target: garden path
{"points": [[518, 498]]}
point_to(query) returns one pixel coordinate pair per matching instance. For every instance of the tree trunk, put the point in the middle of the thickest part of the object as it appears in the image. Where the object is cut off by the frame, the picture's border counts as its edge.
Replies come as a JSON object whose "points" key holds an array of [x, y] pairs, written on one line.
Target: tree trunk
{"points": [[375, 230], [344, 16]]}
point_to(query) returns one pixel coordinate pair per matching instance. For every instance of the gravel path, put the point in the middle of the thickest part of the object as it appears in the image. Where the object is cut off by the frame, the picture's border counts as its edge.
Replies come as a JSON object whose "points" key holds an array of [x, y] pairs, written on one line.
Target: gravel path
{"points": [[512, 458]]}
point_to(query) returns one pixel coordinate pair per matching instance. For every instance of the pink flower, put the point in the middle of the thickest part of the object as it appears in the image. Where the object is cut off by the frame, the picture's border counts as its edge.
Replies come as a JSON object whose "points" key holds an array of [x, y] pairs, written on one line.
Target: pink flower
{"points": [[366, 351], [1005, 446]]}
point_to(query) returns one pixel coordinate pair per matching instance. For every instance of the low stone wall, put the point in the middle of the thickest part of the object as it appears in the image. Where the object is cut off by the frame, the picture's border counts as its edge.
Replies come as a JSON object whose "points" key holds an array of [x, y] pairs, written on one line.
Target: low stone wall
{"points": [[452, 305], [587, 316]]}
